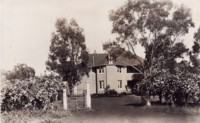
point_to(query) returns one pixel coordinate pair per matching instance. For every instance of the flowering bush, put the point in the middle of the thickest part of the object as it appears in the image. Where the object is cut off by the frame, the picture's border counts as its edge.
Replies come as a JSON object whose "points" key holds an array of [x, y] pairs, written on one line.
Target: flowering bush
{"points": [[37, 92], [180, 87]]}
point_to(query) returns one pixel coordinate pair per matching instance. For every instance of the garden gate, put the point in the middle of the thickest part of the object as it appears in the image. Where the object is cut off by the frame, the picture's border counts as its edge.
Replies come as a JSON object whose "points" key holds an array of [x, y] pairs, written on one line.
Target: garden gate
{"points": [[77, 101], [80, 99]]}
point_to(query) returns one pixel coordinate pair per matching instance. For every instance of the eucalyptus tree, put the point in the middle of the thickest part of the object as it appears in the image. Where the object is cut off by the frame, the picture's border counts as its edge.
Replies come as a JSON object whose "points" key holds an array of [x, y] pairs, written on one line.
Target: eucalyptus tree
{"points": [[158, 26], [68, 55]]}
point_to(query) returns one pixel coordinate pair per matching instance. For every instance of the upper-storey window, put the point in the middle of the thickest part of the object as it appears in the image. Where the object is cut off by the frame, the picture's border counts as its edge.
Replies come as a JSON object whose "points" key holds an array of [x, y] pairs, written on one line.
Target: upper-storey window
{"points": [[101, 70], [119, 69]]}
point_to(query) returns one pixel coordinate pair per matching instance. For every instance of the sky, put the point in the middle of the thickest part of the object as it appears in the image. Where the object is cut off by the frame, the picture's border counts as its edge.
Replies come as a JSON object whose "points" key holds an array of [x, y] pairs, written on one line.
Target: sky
{"points": [[26, 27]]}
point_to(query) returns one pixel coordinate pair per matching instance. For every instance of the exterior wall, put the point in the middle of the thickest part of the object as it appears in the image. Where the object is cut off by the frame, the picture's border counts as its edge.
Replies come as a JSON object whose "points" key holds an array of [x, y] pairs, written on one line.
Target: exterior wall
{"points": [[110, 76], [114, 76], [82, 85]]}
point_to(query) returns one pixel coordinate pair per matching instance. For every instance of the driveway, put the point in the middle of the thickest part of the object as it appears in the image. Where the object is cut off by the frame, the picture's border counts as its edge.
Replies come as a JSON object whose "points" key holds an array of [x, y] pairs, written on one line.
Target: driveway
{"points": [[127, 109]]}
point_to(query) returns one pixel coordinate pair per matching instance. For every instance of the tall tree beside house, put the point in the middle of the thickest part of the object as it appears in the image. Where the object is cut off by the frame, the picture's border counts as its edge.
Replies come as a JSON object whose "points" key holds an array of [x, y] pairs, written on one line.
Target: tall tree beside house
{"points": [[158, 26], [182, 84], [164, 68], [68, 55]]}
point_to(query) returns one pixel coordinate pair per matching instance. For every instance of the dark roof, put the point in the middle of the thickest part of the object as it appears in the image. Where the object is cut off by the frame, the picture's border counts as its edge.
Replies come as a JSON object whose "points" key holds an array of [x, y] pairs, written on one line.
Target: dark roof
{"points": [[102, 59]]}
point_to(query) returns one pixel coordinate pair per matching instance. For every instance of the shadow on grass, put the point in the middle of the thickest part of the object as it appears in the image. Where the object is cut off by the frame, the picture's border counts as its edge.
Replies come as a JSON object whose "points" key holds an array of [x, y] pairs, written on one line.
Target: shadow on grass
{"points": [[158, 103], [153, 103], [135, 104], [142, 104], [157, 107], [102, 96]]}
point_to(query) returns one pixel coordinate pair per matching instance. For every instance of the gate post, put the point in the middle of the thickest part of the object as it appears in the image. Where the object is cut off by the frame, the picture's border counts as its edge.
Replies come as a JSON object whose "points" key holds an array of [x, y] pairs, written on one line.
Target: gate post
{"points": [[65, 97], [88, 95]]}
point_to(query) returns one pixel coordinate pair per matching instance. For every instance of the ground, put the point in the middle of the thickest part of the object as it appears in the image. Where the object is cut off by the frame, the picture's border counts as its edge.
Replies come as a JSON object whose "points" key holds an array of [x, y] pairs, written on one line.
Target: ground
{"points": [[128, 109], [125, 109]]}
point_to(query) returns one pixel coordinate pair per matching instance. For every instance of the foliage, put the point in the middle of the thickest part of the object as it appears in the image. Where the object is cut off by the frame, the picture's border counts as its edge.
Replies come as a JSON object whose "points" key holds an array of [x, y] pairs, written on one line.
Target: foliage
{"points": [[107, 88], [158, 26], [187, 88], [38, 92], [68, 54], [123, 93], [110, 92], [178, 84], [195, 53], [146, 22], [181, 87], [21, 72]]}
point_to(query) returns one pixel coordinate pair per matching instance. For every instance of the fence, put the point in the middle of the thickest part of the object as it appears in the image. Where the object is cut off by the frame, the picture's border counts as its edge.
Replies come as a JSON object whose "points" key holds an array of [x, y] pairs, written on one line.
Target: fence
{"points": [[81, 99], [77, 101]]}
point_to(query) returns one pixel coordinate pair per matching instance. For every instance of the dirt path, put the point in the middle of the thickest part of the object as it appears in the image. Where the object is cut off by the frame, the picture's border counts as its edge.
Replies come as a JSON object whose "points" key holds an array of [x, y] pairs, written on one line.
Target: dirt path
{"points": [[127, 110]]}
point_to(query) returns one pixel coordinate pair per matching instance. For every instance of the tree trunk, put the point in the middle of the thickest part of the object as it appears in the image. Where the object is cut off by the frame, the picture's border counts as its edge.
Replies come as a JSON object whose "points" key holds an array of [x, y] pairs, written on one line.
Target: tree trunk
{"points": [[160, 97], [143, 100], [186, 99], [172, 104], [56, 97], [148, 102]]}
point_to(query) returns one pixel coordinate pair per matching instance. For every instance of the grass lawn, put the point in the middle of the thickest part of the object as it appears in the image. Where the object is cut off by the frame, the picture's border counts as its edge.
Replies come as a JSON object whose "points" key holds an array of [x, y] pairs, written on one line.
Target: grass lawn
{"points": [[126, 109]]}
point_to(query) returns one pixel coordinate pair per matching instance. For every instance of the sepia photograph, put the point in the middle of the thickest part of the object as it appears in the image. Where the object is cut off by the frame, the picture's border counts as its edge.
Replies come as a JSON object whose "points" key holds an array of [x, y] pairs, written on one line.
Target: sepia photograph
{"points": [[100, 61]]}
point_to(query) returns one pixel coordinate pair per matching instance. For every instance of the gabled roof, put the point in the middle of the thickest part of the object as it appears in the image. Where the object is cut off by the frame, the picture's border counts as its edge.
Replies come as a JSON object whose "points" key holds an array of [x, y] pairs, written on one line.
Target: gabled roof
{"points": [[102, 59]]}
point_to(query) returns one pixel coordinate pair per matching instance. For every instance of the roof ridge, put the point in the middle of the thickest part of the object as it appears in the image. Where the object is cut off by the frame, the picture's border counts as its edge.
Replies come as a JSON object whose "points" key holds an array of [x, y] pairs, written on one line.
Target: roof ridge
{"points": [[97, 59]]}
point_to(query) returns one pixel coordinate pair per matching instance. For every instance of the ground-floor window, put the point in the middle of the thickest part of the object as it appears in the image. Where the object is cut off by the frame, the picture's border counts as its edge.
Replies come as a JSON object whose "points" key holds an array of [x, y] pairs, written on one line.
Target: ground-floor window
{"points": [[101, 84], [119, 83]]}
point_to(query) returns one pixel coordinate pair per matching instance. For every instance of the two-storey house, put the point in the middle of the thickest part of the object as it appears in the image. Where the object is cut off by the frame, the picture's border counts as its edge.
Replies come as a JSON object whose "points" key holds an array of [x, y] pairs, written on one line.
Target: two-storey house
{"points": [[120, 74]]}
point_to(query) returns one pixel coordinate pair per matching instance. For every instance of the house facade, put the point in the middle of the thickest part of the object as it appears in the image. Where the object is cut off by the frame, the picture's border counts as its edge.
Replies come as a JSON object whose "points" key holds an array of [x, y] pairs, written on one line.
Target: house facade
{"points": [[120, 74]]}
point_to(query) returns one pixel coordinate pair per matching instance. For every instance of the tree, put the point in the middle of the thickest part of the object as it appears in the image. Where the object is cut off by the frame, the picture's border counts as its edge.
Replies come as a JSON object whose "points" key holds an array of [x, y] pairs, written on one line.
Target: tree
{"points": [[164, 68], [158, 27], [21, 72], [194, 54], [182, 84], [68, 55]]}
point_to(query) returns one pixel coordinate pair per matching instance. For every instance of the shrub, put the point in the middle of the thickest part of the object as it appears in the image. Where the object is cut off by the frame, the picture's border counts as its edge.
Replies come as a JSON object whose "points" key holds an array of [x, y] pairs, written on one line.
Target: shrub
{"points": [[110, 92], [123, 93], [37, 92], [107, 89], [178, 88]]}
